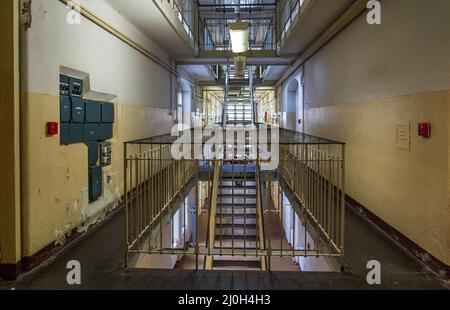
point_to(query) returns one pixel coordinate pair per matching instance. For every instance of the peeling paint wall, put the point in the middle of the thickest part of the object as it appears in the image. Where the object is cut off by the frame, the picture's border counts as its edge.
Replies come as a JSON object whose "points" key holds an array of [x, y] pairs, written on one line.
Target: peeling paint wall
{"points": [[55, 177]]}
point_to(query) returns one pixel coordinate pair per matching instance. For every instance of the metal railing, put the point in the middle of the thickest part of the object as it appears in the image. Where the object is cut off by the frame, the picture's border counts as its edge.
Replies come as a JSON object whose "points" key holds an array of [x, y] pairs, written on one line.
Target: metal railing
{"points": [[152, 182], [216, 36], [314, 178], [286, 22], [310, 173], [187, 16]]}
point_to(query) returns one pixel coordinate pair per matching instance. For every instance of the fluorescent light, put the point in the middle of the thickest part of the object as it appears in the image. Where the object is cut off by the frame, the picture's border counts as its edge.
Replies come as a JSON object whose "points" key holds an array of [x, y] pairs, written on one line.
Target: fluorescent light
{"points": [[239, 33]]}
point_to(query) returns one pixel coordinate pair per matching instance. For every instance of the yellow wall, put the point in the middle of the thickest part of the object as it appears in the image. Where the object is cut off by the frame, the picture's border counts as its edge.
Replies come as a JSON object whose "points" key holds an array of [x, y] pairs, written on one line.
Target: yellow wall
{"points": [[55, 177], [9, 134], [407, 189]]}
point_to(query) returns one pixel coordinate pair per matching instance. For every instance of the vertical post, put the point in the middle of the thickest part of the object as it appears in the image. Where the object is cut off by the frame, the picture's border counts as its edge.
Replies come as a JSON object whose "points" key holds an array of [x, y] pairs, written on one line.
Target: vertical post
{"points": [[196, 213], [252, 96], [125, 192], [342, 208], [225, 101], [10, 215]]}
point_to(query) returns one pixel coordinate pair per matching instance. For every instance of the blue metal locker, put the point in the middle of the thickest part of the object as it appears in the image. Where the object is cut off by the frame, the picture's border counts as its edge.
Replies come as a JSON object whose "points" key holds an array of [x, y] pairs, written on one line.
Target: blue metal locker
{"points": [[65, 109], [93, 110], [107, 112], [78, 110]]}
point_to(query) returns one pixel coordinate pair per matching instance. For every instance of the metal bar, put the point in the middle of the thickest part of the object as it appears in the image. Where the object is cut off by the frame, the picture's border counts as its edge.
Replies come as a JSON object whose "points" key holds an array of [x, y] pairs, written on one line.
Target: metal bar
{"points": [[126, 219], [212, 217], [161, 197]]}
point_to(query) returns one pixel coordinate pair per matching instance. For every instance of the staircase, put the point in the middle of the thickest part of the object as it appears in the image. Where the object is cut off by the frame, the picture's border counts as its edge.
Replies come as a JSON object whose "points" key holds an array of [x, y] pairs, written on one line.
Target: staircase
{"points": [[239, 107], [236, 224]]}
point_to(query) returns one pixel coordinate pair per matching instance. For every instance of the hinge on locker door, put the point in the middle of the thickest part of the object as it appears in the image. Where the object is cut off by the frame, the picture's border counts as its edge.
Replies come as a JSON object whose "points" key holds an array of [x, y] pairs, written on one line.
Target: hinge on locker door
{"points": [[25, 13]]}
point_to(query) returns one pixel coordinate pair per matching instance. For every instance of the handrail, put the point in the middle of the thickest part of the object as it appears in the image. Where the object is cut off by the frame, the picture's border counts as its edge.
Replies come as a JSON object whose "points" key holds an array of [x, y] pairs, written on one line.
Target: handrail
{"points": [[260, 219], [289, 19], [184, 22], [212, 217]]}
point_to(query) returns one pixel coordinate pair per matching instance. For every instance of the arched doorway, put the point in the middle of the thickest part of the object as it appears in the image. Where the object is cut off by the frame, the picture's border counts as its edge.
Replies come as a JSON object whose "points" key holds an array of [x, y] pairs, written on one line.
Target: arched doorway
{"points": [[294, 105], [185, 104]]}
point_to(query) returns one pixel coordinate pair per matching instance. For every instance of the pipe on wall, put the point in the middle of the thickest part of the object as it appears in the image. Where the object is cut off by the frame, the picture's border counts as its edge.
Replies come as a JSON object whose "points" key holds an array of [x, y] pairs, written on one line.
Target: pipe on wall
{"points": [[124, 38]]}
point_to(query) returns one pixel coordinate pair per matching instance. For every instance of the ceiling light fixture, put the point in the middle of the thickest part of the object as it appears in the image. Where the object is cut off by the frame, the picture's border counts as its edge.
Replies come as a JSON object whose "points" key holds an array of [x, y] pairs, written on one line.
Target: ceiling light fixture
{"points": [[239, 33]]}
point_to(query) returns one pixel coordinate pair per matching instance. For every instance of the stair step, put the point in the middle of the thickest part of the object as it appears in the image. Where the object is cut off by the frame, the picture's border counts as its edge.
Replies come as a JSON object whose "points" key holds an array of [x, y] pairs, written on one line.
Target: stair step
{"points": [[238, 191], [236, 200], [238, 220], [237, 226], [249, 232], [247, 258], [230, 188], [227, 266], [237, 205], [227, 243], [238, 183], [237, 262], [237, 238], [236, 210]]}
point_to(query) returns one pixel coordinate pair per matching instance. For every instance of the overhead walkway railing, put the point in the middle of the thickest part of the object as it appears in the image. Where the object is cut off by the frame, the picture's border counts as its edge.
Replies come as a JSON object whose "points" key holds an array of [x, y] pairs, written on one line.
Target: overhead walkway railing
{"points": [[288, 15], [216, 36], [183, 16], [216, 18], [243, 211]]}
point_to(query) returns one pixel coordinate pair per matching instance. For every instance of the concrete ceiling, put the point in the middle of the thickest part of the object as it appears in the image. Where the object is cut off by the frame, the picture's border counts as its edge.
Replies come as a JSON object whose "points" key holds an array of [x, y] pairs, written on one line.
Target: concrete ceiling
{"points": [[274, 73], [197, 72], [319, 16], [146, 16], [228, 2]]}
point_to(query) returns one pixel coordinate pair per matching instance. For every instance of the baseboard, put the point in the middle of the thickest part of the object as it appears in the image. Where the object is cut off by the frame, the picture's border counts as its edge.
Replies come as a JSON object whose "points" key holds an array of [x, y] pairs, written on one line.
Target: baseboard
{"points": [[29, 263], [440, 268], [10, 272]]}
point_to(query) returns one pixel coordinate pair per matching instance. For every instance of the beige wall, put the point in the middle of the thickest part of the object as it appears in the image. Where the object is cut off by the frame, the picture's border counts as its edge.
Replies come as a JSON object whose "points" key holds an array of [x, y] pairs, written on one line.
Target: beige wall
{"points": [[55, 177], [366, 80], [407, 189]]}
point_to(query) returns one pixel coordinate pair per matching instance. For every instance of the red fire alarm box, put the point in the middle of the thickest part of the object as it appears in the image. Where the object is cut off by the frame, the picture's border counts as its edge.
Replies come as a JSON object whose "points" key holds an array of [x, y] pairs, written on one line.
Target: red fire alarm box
{"points": [[52, 128], [424, 129]]}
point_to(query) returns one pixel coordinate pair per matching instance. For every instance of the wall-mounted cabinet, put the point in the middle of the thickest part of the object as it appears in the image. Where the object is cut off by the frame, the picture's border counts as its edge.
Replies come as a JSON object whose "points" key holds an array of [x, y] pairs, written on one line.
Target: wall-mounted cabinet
{"points": [[90, 122], [65, 109], [95, 183], [93, 111], [107, 113], [78, 111]]}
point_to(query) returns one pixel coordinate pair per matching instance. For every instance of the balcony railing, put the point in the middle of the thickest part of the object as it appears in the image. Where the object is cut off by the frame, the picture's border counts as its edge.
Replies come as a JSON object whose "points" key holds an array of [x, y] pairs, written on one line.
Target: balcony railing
{"points": [[311, 172], [215, 19], [288, 14]]}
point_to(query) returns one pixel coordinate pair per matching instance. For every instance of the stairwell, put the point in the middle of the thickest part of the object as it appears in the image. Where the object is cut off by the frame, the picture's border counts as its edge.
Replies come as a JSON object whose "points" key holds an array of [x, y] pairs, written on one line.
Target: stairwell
{"points": [[236, 224]]}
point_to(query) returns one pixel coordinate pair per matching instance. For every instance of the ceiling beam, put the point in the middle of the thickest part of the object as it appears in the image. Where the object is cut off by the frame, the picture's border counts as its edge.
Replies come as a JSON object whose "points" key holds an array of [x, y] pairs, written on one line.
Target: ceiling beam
{"points": [[254, 61]]}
